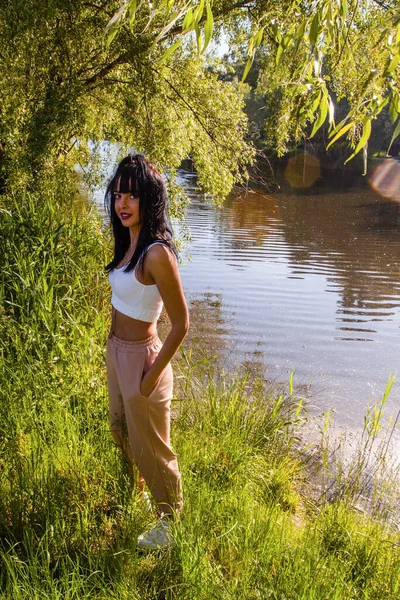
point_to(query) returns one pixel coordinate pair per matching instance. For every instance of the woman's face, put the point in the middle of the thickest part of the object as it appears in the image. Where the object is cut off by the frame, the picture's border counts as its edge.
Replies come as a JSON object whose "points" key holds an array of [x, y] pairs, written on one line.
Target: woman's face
{"points": [[127, 207]]}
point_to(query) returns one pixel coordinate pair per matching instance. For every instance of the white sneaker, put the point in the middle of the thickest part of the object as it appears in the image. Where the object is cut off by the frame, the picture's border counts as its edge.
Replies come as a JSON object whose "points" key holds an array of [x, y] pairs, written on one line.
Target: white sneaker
{"points": [[158, 537]]}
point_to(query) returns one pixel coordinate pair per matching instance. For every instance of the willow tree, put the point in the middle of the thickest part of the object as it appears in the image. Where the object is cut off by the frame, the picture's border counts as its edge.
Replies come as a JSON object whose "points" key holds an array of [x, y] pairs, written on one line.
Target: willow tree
{"points": [[313, 55], [62, 84], [321, 56], [136, 72]]}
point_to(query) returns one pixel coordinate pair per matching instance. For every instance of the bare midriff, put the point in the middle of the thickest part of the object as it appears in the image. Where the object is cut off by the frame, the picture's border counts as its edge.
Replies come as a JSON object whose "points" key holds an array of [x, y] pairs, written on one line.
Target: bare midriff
{"points": [[126, 328]]}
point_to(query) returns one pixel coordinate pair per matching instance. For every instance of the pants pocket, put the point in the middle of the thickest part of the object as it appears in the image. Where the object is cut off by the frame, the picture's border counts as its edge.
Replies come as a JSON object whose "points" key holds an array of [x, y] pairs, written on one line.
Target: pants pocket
{"points": [[149, 358]]}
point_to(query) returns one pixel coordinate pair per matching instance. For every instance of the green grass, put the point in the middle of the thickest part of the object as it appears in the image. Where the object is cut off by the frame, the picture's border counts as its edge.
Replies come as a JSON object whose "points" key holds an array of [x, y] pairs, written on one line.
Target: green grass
{"points": [[251, 527]]}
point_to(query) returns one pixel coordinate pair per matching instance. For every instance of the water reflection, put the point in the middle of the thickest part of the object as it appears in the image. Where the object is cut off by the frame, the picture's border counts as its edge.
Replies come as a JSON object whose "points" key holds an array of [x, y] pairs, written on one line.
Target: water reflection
{"points": [[210, 334], [342, 237], [305, 282], [358, 251]]}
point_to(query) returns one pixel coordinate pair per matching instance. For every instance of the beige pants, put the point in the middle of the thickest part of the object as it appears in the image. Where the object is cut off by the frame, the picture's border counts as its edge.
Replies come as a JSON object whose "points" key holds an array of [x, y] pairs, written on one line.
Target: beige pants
{"points": [[140, 425]]}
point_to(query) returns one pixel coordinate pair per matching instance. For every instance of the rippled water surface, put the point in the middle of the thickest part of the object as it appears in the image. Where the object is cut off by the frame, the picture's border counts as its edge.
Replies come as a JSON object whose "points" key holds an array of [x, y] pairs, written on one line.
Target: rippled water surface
{"points": [[308, 283]]}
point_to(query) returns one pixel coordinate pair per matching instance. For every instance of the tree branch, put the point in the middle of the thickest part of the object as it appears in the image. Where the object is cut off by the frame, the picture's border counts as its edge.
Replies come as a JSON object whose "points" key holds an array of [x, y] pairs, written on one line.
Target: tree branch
{"points": [[381, 4], [105, 70], [192, 110]]}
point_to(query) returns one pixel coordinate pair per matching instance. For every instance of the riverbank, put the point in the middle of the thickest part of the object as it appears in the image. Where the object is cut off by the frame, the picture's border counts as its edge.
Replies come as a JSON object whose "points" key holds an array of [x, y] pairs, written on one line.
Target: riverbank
{"points": [[253, 527]]}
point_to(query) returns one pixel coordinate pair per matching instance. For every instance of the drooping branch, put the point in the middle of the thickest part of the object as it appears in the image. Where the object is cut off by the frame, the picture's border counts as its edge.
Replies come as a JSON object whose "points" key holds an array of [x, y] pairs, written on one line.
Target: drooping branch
{"points": [[381, 4], [105, 70], [192, 110]]}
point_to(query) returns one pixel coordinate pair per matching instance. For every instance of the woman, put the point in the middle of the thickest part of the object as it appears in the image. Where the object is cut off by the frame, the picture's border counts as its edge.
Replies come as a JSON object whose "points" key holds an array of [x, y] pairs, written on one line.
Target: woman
{"points": [[144, 275]]}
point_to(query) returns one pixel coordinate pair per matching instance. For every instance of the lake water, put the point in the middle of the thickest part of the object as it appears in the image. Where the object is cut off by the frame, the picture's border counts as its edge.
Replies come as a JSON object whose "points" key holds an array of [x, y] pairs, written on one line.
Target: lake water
{"points": [[301, 281]]}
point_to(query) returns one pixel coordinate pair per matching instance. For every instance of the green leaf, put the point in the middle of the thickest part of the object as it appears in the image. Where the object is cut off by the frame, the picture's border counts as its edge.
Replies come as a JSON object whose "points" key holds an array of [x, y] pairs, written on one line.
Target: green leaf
{"points": [[365, 135], [277, 33], [393, 64], [111, 35], [316, 102], [113, 25], [247, 68], [363, 140], [299, 35], [314, 30], [170, 51], [132, 8], [381, 105], [338, 127], [255, 40], [258, 37], [393, 110], [198, 13], [188, 21], [343, 8], [250, 49], [208, 27], [300, 31], [329, 20], [279, 55], [163, 32], [199, 39], [341, 132], [396, 100], [117, 18], [396, 134], [323, 111]]}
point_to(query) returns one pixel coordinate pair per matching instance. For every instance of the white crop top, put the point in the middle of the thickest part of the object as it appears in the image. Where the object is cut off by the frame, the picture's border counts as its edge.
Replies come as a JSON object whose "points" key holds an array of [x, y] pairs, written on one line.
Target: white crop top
{"points": [[135, 299]]}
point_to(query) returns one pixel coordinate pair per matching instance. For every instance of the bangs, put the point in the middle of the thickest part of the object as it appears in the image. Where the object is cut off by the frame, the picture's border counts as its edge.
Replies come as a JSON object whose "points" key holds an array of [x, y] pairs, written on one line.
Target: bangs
{"points": [[126, 181]]}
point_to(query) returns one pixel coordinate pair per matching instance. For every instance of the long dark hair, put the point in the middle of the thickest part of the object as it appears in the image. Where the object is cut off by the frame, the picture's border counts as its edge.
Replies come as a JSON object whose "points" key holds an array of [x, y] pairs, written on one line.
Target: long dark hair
{"points": [[135, 174]]}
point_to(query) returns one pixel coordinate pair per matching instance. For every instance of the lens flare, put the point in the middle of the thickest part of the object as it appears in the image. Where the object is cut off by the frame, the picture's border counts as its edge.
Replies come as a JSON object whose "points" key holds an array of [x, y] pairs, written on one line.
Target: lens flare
{"points": [[302, 170], [385, 180]]}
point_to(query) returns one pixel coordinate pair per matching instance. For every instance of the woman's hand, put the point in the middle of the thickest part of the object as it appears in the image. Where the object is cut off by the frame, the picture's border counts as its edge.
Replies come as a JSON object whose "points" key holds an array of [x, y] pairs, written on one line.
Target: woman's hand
{"points": [[147, 384]]}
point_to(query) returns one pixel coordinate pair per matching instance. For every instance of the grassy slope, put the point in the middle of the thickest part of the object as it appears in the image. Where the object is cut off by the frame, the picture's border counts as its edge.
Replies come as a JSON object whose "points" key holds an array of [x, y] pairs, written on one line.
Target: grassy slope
{"points": [[68, 522]]}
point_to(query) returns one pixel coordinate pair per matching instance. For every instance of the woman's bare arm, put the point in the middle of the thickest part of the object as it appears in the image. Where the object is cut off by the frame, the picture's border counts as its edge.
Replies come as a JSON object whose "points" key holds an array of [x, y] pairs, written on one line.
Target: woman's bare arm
{"points": [[162, 266]]}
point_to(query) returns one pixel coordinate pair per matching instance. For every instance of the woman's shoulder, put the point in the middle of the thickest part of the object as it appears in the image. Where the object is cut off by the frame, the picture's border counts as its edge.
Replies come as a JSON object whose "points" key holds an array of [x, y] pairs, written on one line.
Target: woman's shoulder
{"points": [[160, 259], [160, 251]]}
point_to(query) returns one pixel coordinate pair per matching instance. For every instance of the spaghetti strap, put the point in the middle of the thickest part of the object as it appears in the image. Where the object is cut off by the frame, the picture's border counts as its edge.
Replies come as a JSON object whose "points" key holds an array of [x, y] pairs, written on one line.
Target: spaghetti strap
{"points": [[145, 250], [154, 243]]}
